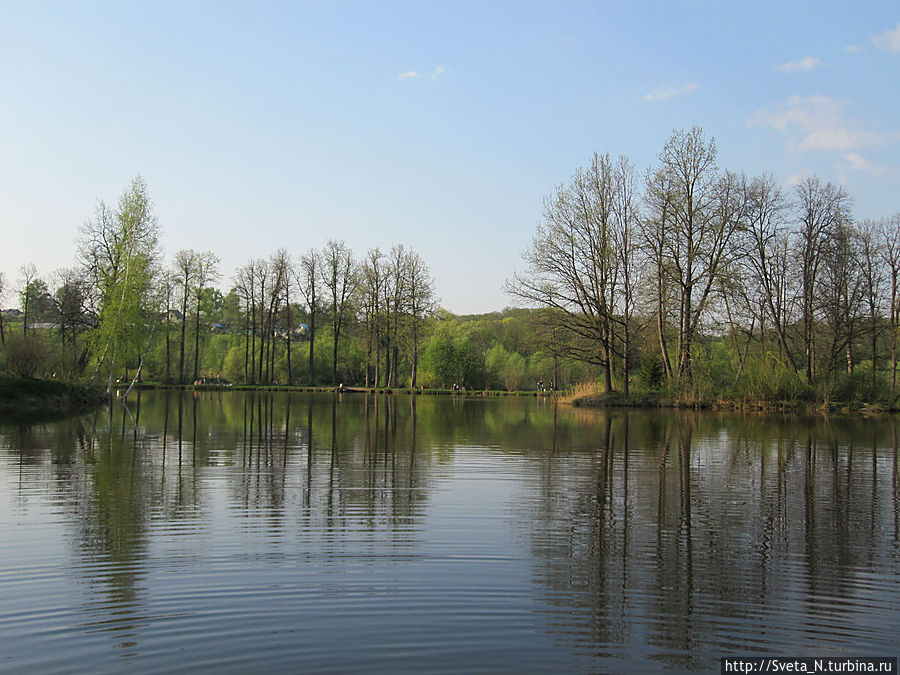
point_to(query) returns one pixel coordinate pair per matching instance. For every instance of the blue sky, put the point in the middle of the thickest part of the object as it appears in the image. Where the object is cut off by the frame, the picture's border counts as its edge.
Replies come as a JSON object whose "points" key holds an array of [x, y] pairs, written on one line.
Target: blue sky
{"points": [[439, 125]]}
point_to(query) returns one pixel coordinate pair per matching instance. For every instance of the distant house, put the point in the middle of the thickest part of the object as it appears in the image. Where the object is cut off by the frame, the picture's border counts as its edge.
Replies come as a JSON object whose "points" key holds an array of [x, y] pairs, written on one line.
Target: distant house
{"points": [[217, 328], [174, 316]]}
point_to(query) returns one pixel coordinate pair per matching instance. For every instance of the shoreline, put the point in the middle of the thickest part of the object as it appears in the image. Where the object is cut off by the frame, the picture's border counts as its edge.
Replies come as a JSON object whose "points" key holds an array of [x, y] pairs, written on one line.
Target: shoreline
{"points": [[651, 401], [328, 389]]}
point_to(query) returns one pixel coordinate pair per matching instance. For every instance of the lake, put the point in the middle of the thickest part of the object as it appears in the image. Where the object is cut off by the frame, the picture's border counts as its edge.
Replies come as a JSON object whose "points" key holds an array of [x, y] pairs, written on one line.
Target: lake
{"points": [[343, 533]]}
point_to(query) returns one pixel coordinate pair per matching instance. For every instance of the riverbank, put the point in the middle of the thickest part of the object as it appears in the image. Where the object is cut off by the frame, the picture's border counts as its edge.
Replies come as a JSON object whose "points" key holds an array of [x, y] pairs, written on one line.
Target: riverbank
{"points": [[343, 390], [21, 397], [656, 400]]}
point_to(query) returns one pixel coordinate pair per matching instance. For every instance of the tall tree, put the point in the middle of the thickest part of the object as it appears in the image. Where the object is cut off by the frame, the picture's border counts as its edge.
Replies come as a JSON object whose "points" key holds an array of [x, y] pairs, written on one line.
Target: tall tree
{"points": [[820, 208], [207, 272], [764, 255], [30, 286], [168, 290], [655, 228], [872, 272], [339, 278], [372, 281], [70, 307], [572, 263], [706, 212], [186, 262], [244, 279], [626, 221], [120, 251], [840, 294], [308, 281], [284, 273], [889, 235], [2, 288], [422, 304]]}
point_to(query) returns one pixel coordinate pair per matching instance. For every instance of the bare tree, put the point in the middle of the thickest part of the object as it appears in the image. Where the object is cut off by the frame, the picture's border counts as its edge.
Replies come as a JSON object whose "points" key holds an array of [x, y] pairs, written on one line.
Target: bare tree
{"points": [[372, 281], [571, 263], [308, 281], [262, 274], [207, 271], [422, 304], [284, 274], [70, 306], [820, 208], [871, 268], [658, 221], [707, 210], [840, 293], [339, 278], [186, 263], [2, 288], [890, 251], [395, 300], [764, 249], [27, 277], [244, 280], [626, 220]]}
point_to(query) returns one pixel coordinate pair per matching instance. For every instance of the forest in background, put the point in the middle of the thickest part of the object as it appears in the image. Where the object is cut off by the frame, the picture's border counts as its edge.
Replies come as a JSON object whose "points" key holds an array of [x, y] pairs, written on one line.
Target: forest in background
{"points": [[687, 281]]}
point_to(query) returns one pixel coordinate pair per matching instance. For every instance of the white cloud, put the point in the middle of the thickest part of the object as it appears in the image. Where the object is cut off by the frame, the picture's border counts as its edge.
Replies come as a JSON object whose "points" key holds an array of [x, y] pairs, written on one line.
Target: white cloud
{"points": [[409, 74], [806, 63], [665, 92], [889, 40], [860, 163], [852, 49], [821, 125], [437, 72]]}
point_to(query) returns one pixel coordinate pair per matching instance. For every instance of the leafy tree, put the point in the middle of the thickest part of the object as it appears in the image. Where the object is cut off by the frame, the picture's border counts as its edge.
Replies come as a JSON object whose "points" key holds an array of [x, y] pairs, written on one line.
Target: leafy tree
{"points": [[119, 252]]}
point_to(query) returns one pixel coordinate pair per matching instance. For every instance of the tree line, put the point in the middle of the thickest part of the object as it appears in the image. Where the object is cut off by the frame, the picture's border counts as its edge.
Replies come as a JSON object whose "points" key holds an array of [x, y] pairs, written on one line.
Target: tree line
{"points": [[120, 309], [684, 278], [784, 294]]}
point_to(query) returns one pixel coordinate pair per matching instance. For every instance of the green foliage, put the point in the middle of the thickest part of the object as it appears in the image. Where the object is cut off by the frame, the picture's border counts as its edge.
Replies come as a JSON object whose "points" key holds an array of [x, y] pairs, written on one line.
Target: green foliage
{"points": [[120, 250], [855, 388], [652, 373], [26, 355], [233, 367]]}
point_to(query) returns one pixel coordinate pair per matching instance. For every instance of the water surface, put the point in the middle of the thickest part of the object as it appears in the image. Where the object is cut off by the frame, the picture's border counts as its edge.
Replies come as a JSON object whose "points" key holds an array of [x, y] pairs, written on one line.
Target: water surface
{"points": [[321, 533]]}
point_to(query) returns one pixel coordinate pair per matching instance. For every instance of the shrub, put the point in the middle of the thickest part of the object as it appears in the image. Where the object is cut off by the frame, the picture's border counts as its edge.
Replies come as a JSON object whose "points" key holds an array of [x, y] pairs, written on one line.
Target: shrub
{"points": [[26, 355]]}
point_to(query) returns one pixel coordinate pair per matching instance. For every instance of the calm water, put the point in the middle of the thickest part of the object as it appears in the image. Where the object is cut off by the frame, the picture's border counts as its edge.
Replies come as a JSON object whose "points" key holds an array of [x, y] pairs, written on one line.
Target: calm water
{"points": [[315, 533]]}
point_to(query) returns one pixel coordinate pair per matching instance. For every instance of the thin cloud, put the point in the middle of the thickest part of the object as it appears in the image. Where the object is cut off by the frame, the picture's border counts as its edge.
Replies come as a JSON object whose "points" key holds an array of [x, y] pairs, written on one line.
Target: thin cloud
{"points": [[408, 75], [665, 92], [860, 163], [806, 63], [819, 123], [889, 40], [437, 72], [852, 49]]}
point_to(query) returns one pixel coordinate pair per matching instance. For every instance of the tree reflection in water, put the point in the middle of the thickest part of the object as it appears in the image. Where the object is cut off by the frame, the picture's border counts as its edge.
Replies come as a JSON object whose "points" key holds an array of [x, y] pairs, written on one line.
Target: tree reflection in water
{"points": [[653, 538], [749, 537]]}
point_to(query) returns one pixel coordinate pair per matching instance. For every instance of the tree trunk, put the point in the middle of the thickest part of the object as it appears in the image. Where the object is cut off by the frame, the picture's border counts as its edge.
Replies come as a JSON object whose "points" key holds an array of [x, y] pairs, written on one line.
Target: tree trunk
{"points": [[197, 341], [312, 344], [183, 337]]}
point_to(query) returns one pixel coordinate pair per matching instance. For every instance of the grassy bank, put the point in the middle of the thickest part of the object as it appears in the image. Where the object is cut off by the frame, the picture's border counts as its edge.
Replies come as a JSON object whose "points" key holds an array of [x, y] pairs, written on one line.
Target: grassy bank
{"points": [[21, 397]]}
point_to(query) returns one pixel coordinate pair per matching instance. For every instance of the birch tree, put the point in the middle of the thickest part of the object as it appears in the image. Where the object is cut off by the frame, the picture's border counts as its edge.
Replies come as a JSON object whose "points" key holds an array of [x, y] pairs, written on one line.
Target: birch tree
{"points": [[120, 252]]}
